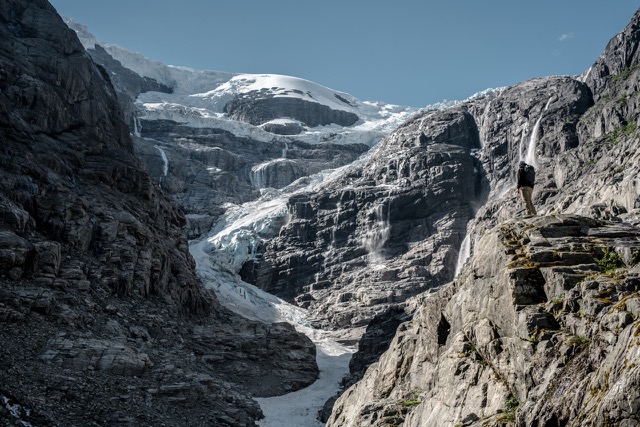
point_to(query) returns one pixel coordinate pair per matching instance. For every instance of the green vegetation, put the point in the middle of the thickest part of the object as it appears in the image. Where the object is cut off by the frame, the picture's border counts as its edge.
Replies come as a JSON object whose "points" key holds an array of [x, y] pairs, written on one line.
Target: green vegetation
{"points": [[623, 99], [410, 402], [624, 74], [470, 350], [512, 403], [578, 341], [623, 131], [510, 409], [610, 261]]}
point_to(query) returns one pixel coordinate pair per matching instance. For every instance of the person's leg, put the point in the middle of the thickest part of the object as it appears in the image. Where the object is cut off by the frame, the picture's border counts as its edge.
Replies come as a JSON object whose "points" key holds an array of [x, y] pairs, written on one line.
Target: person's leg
{"points": [[527, 193]]}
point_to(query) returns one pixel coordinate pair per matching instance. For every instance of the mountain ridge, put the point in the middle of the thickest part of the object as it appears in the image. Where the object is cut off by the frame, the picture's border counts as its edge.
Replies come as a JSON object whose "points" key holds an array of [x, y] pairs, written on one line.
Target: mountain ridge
{"points": [[100, 289], [104, 320]]}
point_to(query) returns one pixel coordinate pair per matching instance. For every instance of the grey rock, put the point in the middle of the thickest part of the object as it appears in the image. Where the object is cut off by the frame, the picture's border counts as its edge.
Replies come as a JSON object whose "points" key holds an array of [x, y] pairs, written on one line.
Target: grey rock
{"points": [[208, 168], [290, 128], [276, 173], [256, 108], [499, 349], [98, 294], [100, 355], [360, 237], [560, 304]]}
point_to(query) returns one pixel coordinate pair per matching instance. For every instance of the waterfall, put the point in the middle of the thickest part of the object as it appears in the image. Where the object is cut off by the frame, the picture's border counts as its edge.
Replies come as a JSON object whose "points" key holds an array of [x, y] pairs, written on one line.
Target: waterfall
{"points": [[258, 176], [284, 150], [464, 254], [336, 221], [165, 159], [136, 126], [377, 234], [530, 156]]}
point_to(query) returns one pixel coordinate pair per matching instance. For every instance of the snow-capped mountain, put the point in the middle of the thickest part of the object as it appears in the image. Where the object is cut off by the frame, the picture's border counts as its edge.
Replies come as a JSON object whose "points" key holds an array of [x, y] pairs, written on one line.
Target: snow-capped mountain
{"points": [[199, 99], [100, 292]]}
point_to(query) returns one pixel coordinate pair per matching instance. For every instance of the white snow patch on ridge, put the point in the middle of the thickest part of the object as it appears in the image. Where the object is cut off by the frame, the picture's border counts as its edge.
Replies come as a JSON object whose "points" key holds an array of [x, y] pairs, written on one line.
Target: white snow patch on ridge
{"points": [[283, 86], [199, 97]]}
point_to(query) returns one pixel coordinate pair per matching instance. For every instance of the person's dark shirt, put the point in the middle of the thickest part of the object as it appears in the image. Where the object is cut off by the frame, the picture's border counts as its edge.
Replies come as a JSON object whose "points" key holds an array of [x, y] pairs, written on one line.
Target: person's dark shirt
{"points": [[522, 178]]}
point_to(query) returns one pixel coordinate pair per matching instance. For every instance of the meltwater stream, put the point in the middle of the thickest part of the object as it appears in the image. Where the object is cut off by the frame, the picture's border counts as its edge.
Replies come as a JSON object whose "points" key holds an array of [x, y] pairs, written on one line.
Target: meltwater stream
{"points": [[219, 256]]}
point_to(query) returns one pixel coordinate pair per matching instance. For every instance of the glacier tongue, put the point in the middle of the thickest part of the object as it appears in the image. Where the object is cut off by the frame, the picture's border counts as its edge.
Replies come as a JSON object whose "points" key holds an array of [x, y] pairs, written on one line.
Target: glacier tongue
{"points": [[233, 241]]}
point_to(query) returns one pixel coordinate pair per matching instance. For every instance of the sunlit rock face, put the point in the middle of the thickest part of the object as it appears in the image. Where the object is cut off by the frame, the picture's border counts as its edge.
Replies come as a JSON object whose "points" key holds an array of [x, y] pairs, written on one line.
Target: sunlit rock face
{"points": [[392, 225], [525, 333], [255, 108], [542, 313], [382, 231]]}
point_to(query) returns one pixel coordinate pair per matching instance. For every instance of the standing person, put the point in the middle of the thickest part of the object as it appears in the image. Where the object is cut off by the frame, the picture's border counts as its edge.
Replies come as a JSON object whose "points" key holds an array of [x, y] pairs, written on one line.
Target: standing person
{"points": [[526, 181]]}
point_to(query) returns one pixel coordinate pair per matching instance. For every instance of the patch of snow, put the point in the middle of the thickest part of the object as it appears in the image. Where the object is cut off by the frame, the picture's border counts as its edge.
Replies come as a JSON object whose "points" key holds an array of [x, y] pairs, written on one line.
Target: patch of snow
{"points": [[283, 86], [301, 408]]}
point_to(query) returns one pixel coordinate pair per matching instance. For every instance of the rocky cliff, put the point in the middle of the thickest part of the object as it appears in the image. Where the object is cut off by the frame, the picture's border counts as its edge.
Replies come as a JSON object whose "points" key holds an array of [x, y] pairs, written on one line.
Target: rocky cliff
{"points": [[103, 319], [386, 230], [392, 226], [206, 168], [539, 328], [98, 295]]}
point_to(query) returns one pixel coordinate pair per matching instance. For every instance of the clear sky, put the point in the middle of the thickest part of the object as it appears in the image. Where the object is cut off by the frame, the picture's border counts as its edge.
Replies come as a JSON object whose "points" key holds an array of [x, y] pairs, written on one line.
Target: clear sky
{"points": [[407, 52]]}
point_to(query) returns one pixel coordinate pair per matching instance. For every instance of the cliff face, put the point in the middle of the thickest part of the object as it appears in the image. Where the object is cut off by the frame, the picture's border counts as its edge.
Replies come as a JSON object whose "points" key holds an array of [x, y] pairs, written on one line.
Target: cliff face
{"points": [[383, 231], [99, 298], [69, 176], [392, 226], [99, 302], [207, 168], [539, 328]]}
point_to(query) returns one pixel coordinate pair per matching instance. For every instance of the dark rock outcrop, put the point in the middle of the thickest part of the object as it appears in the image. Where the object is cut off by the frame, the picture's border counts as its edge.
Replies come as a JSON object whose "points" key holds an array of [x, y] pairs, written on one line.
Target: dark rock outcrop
{"points": [[383, 232], [128, 84], [103, 319], [289, 128], [256, 108]]}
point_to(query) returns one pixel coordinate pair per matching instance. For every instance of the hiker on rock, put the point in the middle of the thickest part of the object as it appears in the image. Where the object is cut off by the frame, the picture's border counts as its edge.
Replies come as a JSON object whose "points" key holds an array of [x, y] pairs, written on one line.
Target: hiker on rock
{"points": [[526, 180]]}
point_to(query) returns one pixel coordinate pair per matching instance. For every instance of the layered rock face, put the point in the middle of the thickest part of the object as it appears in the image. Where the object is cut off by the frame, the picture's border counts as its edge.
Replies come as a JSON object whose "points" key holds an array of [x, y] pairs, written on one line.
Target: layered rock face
{"points": [[103, 320], [539, 329], [386, 230], [392, 226], [206, 168], [254, 108], [217, 162]]}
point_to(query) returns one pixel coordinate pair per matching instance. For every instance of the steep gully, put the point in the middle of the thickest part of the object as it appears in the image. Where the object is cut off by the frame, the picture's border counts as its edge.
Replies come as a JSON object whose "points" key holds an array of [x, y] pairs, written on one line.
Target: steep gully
{"points": [[233, 241]]}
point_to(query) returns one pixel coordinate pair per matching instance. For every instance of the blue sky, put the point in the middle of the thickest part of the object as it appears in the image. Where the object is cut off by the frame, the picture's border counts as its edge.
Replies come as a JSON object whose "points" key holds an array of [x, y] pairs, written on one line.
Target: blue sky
{"points": [[407, 52]]}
